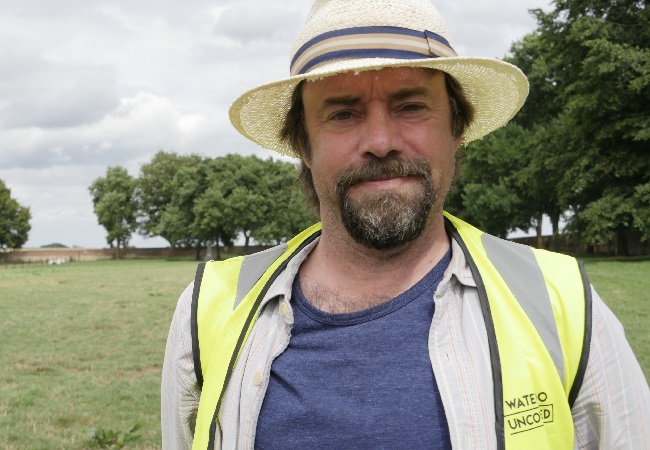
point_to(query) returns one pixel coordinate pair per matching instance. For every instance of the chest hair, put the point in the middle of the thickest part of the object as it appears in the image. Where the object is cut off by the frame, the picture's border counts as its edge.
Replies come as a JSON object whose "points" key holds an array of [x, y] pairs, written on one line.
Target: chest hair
{"points": [[334, 301]]}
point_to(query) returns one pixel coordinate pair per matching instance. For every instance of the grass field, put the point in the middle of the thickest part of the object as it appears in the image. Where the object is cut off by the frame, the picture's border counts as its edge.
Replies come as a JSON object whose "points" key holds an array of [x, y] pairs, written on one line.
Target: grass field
{"points": [[625, 286], [82, 344]]}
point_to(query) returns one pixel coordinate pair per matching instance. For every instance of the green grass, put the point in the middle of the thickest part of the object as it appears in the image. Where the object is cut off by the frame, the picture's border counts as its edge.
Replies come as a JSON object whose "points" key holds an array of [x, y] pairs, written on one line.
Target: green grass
{"points": [[81, 347], [82, 344], [625, 286]]}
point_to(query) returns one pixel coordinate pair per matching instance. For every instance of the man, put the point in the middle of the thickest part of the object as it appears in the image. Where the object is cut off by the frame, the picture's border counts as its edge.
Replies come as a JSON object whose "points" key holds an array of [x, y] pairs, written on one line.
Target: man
{"points": [[393, 325]]}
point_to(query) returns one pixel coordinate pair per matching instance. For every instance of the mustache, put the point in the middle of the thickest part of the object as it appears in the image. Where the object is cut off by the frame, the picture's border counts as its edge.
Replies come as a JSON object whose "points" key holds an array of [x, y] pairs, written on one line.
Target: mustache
{"points": [[377, 169]]}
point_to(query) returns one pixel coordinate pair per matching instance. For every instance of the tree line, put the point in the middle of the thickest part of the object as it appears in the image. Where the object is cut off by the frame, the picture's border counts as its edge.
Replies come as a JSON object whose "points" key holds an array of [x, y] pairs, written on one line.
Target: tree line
{"points": [[578, 150], [193, 201]]}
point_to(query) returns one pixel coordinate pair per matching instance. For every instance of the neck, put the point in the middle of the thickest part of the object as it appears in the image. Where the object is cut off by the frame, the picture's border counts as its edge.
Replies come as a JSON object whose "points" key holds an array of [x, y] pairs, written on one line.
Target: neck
{"points": [[341, 275]]}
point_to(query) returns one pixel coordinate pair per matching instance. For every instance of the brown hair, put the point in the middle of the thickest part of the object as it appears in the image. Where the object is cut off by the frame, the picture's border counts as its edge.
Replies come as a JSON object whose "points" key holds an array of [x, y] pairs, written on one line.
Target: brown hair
{"points": [[294, 131]]}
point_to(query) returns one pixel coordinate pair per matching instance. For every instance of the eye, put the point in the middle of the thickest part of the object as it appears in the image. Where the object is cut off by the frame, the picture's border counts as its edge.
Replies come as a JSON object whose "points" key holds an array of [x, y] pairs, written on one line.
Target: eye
{"points": [[342, 115]]}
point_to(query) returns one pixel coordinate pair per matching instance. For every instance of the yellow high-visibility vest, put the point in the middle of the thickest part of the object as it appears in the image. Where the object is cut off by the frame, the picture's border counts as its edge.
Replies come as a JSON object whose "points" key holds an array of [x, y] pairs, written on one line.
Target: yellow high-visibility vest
{"points": [[537, 311]]}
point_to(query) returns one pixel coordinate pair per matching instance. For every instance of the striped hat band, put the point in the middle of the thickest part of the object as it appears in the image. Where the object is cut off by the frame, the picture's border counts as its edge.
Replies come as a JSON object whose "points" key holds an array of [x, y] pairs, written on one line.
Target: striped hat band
{"points": [[369, 42]]}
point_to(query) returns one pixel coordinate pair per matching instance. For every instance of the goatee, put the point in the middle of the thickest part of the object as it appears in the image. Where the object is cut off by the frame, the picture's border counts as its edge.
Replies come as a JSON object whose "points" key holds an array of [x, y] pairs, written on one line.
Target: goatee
{"points": [[387, 219]]}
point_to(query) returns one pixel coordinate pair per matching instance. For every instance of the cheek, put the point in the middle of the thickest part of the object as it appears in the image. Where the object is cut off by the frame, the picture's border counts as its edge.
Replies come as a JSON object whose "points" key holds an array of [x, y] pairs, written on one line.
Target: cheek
{"points": [[321, 175], [329, 156], [446, 168], [441, 156]]}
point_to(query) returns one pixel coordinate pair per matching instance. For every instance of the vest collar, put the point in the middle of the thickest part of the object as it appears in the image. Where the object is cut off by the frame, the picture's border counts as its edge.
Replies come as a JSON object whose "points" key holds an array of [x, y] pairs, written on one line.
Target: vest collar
{"points": [[281, 287]]}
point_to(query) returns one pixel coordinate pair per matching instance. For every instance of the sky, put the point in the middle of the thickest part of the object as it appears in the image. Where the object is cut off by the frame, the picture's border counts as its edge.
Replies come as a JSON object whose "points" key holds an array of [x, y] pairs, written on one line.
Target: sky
{"points": [[89, 84]]}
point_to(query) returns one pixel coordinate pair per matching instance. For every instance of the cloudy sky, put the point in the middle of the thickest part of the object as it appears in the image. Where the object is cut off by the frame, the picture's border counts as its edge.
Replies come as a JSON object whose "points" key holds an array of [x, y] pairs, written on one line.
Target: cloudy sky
{"points": [[88, 84]]}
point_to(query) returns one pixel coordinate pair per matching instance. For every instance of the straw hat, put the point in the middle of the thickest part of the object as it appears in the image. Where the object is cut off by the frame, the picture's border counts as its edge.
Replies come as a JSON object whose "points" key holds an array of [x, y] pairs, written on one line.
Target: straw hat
{"points": [[357, 35]]}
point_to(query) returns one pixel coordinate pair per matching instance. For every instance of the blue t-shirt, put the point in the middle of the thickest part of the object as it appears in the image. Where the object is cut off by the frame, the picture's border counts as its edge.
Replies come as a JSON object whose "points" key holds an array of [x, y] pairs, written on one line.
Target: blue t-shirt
{"points": [[361, 380]]}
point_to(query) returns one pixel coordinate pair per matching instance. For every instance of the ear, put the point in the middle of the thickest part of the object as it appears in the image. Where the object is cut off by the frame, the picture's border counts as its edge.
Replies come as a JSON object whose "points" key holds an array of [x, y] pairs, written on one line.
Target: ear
{"points": [[457, 144], [306, 162], [305, 154]]}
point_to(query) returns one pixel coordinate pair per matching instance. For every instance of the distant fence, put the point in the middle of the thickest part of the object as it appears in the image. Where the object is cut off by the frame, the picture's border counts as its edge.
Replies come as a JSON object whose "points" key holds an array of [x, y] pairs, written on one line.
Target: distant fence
{"points": [[17, 264], [565, 244], [63, 255], [43, 256]]}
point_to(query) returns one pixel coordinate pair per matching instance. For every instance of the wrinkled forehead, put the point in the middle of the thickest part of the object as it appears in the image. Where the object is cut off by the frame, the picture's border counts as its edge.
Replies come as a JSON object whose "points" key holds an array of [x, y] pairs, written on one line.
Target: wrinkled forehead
{"points": [[374, 83]]}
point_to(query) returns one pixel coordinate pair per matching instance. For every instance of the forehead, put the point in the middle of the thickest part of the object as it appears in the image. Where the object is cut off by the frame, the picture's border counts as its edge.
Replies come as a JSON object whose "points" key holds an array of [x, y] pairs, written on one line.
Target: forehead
{"points": [[384, 81]]}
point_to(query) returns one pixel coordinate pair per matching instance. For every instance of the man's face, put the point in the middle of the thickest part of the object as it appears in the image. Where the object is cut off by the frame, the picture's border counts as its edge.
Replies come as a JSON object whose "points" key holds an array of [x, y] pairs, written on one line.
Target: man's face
{"points": [[382, 151]]}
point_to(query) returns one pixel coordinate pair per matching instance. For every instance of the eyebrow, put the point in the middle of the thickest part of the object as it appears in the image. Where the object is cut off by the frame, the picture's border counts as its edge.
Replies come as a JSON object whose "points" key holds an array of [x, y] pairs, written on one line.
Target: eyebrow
{"points": [[346, 100], [402, 94], [406, 93]]}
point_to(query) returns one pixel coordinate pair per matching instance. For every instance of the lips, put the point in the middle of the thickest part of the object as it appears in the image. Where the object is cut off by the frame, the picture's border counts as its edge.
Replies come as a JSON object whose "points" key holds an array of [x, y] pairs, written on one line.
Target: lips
{"points": [[385, 183]]}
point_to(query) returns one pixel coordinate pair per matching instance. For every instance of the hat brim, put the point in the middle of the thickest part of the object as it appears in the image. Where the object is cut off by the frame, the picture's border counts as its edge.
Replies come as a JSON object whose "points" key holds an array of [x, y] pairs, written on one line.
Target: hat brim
{"points": [[496, 89]]}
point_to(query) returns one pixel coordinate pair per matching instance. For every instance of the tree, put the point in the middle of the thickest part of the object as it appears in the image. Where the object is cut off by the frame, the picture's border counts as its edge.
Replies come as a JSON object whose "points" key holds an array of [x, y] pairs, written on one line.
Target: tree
{"points": [[219, 199], [599, 54], [14, 220], [238, 189], [210, 224], [54, 245], [194, 214], [511, 178], [214, 201], [113, 201], [177, 218], [540, 117], [488, 194], [583, 151], [154, 191], [284, 203]]}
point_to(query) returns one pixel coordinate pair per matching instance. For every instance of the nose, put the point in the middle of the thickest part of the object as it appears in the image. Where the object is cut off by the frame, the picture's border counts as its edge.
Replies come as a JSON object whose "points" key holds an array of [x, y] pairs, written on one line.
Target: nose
{"points": [[380, 133]]}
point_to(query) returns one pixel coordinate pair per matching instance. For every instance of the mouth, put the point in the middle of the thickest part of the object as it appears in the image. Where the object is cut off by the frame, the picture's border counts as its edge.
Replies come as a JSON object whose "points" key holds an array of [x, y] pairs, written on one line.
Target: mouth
{"points": [[386, 182]]}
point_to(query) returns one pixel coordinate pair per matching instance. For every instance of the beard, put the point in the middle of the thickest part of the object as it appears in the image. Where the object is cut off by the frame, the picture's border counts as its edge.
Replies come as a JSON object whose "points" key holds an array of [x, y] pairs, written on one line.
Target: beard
{"points": [[381, 219]]}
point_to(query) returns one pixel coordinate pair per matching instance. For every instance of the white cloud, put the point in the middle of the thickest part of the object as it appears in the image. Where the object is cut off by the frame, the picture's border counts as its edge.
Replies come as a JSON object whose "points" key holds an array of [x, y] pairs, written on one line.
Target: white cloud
{"points": [[190, 122], [249, 21], [137, 125], [61, 97], [488, 28]]}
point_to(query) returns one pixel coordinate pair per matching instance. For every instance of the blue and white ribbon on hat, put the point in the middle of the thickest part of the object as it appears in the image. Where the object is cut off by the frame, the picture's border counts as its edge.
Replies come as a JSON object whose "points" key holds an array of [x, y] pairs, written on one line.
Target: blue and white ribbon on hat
{"points": [[370, 42]]}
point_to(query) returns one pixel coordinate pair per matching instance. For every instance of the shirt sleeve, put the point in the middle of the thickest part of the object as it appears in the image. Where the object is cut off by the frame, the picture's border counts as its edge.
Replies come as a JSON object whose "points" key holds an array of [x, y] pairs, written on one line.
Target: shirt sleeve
{"points": [[180, 392], [612, 410]]}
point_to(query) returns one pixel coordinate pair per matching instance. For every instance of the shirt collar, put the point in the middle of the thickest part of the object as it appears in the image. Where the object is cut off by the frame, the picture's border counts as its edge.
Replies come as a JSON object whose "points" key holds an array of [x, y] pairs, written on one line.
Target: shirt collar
{"points": [[281, 287], [459, 266], [458, 269]]}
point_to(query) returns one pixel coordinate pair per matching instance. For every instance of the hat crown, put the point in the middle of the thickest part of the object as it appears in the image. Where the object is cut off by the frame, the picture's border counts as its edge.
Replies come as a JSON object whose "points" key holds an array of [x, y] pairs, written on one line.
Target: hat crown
{"points": [[330, 15]]}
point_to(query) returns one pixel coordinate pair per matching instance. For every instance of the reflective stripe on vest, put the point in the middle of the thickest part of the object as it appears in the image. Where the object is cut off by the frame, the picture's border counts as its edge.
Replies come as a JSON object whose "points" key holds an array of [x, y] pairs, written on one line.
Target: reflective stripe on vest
{"points": [[537, 312], [536, 306]]}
